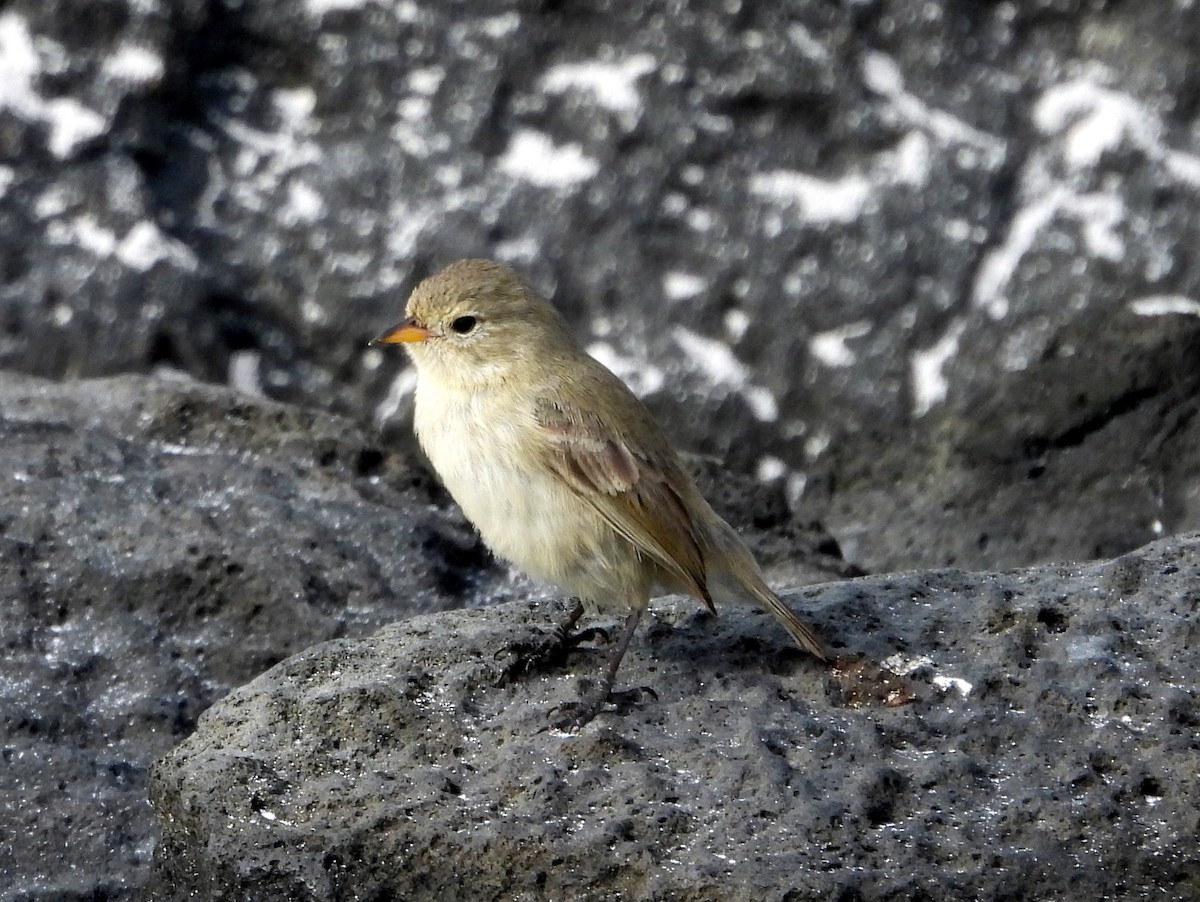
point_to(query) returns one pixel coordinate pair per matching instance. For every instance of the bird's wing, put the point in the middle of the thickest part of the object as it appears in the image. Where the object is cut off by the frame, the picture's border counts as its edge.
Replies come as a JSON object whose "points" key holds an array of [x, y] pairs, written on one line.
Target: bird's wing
{"points": [[639, 488]]}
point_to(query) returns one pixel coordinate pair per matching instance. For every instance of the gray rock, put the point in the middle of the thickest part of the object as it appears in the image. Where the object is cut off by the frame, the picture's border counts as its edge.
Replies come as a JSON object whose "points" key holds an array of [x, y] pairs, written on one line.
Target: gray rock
{"points": [[1041, 743], [161, 542]]}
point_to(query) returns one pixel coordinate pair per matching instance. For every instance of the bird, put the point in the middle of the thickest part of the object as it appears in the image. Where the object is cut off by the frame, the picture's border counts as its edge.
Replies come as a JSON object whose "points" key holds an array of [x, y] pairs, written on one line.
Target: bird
{"points": [[561, 468]]}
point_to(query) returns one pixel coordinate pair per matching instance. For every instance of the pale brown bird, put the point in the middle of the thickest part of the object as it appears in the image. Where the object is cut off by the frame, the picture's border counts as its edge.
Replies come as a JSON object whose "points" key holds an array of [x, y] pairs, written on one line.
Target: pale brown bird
{"points": [[560, 467]]}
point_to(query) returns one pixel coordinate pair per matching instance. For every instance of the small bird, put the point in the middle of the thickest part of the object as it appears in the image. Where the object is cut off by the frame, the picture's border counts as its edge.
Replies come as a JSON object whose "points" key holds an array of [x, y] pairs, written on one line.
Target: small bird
{"points": [[561, 468]]}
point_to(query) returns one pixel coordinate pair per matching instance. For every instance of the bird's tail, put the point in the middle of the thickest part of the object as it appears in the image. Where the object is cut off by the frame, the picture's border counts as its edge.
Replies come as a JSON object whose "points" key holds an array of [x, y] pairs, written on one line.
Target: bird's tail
{"points": [[736, 573]]}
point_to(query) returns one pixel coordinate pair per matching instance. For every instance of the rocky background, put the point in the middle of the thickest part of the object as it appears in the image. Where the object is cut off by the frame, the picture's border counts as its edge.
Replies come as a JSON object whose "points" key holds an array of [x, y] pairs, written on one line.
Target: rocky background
{"points": [[922, 273]]}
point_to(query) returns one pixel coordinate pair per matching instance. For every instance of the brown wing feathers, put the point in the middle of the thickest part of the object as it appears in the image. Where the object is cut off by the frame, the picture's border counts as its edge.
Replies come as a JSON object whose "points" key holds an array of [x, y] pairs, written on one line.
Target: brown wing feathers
{"points": [[637, 501]]}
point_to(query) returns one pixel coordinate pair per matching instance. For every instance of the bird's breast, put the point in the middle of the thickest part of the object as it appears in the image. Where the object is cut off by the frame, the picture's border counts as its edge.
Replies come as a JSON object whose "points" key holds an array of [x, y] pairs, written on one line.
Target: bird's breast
{"points": [[485, 453]]}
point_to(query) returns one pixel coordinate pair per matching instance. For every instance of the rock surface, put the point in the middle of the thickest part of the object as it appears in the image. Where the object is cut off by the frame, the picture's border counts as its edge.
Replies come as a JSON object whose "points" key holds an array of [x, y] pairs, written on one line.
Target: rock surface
{"points": [[1050, 752], [163, 541]]}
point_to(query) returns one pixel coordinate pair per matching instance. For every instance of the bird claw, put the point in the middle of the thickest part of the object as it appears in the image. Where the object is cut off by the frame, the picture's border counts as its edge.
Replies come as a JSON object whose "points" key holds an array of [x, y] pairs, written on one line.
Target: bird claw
{"points": [[579, 714], [627, 699], [574, 640], [531, 657]]}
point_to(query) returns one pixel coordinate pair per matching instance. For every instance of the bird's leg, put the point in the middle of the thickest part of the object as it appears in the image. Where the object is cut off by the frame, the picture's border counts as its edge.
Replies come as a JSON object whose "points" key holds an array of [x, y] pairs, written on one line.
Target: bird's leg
{"points": [[583, 712], [567, 639], [564, 629]]}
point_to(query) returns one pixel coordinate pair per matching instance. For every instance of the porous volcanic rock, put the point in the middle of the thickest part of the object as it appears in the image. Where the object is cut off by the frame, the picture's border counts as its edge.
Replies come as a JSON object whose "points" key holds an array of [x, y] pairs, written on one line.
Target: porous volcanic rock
{"points": [[1030, 735], [162, 542]]}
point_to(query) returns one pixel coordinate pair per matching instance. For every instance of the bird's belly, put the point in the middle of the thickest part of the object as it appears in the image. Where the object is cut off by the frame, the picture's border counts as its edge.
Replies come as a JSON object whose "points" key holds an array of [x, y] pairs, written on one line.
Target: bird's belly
{"points": [[524, 519], [528, 517]]}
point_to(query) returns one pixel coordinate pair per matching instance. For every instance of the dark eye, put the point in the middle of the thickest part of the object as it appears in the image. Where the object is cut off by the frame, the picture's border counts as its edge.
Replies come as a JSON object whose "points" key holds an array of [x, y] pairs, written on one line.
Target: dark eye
{"points": [[463, 324]]}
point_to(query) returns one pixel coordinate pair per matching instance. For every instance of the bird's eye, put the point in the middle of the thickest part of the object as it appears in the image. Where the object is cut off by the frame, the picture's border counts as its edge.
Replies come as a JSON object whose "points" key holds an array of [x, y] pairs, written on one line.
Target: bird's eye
{"points": [[463, 324]]}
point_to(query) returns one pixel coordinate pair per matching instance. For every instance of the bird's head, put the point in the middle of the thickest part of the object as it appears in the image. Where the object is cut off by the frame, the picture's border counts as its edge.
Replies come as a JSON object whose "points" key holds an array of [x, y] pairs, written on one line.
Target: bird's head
{"points": [[476, 320]]}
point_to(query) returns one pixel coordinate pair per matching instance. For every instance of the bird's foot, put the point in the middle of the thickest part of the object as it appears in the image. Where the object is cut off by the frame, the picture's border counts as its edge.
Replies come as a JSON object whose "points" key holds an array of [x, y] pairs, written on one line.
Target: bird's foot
{"points": [[577, 715], [564, 633], [540, 656], [583, 712], [569, 641], [628, 699]]}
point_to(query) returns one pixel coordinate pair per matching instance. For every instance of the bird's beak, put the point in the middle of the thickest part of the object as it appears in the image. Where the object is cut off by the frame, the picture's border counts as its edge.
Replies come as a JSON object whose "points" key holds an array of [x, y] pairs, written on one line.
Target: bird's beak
{"points": [[406, 332]]}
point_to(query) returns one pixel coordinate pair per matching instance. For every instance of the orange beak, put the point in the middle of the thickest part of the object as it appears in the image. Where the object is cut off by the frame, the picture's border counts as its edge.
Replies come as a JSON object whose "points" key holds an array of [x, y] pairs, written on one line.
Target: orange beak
{"points": [[406, 332]]}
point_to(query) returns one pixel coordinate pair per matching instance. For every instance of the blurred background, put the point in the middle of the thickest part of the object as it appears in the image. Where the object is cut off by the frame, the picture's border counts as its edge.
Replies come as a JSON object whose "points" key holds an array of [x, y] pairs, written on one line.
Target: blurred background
{"points": [[929, 265]]}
